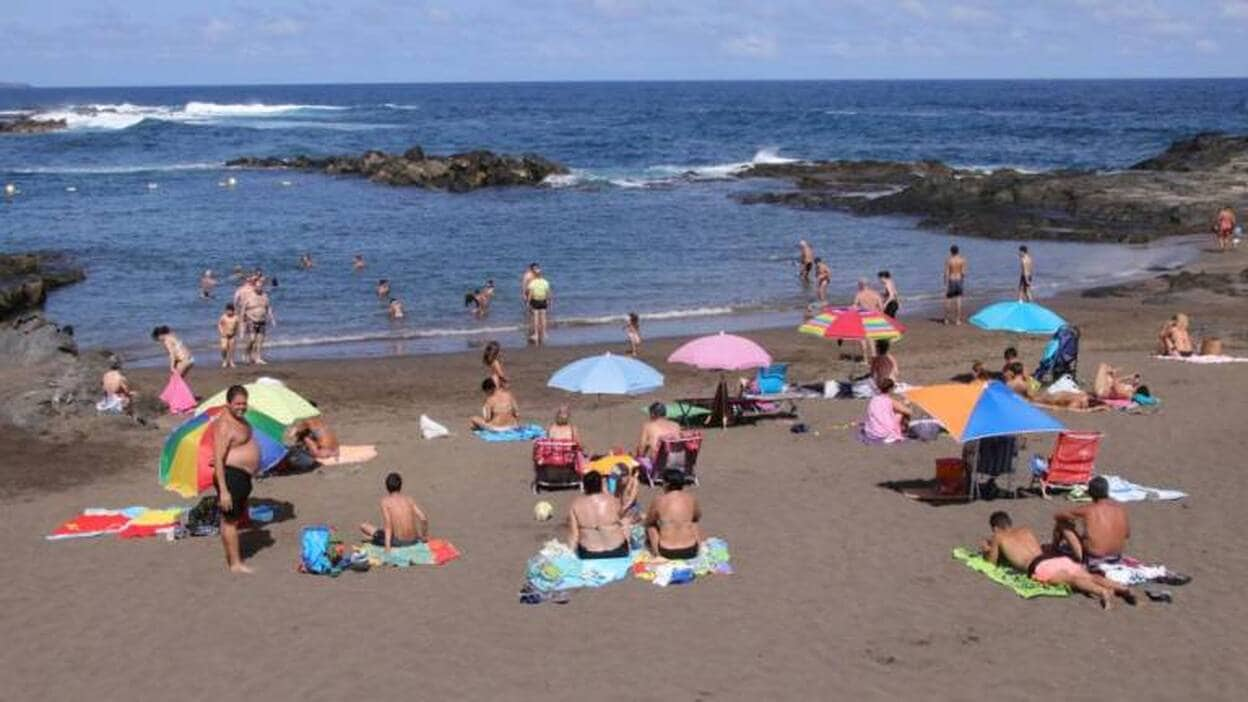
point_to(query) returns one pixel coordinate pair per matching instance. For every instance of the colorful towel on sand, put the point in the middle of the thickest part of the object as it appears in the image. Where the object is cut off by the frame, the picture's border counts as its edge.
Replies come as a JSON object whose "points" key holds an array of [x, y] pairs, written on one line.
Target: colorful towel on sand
{"points": [[712, 558], [1022, 585], [557, 567], [91, 522], [1122, 490], [1204, 360], [527, 432], [432, 552], [350, 454], [1127, 571], [153, 522], [177, 394]]}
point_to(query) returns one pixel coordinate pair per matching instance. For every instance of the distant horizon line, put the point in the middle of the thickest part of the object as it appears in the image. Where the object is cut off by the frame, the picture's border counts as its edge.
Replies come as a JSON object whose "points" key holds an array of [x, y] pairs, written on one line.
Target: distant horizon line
{"points": [[21, 85]]}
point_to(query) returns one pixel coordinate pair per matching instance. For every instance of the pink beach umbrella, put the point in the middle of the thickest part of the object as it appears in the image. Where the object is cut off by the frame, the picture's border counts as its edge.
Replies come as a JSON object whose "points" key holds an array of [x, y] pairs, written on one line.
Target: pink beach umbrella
{"points": [[721, 352]]}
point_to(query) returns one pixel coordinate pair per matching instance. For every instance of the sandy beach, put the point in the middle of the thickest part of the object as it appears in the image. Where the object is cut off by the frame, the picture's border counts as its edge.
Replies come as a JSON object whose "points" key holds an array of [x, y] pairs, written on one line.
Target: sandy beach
{"points": [[843, 588]]}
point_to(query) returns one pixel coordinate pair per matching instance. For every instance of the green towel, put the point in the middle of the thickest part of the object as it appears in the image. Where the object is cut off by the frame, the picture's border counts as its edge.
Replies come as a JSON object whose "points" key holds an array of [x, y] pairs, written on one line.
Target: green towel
{"points": [[1022, 585]]}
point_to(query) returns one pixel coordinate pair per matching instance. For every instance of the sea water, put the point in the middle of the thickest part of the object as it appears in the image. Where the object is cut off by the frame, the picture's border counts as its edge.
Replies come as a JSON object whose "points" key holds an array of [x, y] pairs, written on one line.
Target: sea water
{"points": [[135, 190]]}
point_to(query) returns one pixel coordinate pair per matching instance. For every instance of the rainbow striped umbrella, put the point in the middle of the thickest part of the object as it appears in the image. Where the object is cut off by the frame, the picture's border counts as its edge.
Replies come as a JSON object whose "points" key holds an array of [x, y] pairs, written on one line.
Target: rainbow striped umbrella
{"points": [[186, 461], [853, 323]]}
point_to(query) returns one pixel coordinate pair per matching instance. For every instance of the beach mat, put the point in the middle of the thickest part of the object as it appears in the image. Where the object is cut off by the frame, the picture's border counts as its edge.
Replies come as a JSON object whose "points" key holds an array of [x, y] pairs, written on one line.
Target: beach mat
{"points": [[556, 567], [1122, 490], [1022, 585], [91, 522], [350, 454], [527, 432], [713, 558], [433, 552]]}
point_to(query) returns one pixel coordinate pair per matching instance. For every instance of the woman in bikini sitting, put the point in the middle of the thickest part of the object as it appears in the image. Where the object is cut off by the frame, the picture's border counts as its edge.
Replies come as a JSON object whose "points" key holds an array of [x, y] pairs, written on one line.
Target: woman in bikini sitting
{"points": [[563, 429], [672, 528], [1175, 339], [499, 413], [594, 526]]}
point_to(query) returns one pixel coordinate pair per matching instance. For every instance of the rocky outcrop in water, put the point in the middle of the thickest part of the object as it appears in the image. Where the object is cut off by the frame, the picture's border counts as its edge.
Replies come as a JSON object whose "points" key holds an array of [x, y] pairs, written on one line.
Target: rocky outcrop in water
{"points": [[456, 173], [1177, 192], [27, 125], [25, 280]]}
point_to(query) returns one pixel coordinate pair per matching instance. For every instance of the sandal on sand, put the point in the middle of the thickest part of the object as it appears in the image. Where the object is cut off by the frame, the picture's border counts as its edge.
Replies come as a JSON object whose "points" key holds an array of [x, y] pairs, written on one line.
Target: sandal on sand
{"points": [[1174, 579], [1159, 596]]}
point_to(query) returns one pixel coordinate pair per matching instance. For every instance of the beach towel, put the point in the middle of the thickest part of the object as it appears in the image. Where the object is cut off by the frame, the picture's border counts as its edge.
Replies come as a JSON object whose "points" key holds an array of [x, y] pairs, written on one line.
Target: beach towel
{"points": [[111, 404], [713, 558], [1022, 585], [177, 394], [1127, 571], [1205, 360], [91, 522], [350, 454], [556, 567], [432, 552], [526, 432], [431, 429], [153, 522], [881, 425], [1123, 490]]}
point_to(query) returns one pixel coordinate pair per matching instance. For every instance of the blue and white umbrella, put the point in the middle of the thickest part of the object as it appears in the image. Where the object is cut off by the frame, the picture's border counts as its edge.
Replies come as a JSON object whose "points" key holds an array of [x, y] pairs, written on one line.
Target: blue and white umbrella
{"points": [[607, 374], [1020, 317]]}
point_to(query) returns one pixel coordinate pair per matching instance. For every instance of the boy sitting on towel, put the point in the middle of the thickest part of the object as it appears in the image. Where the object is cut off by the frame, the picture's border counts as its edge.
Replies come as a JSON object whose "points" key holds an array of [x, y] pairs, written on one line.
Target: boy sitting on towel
{"points": [[1022, 549], [403, 522], [1105, 526]]}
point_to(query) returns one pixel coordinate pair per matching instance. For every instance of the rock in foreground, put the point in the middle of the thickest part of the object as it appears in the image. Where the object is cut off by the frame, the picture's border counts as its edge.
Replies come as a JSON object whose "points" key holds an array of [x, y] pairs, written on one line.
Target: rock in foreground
{"points": [[456, 173], [26, 125]]}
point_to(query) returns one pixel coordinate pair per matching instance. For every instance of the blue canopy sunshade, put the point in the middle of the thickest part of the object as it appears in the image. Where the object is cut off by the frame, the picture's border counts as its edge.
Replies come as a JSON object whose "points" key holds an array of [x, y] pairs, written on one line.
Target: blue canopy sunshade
{"points": [[1019, 317]]}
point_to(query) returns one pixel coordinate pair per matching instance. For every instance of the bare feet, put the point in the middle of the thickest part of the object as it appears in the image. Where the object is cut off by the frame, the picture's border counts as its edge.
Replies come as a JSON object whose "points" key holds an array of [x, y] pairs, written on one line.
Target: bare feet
{"points": [[261, 362], [241, 569]]}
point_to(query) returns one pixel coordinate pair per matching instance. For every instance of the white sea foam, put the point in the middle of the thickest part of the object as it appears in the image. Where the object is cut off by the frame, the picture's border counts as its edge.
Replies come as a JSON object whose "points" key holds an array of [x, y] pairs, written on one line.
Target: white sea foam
{"points": [[664, 175], [112, 170], [664, 314], [396, 106], [396, 335], [123, 115]]}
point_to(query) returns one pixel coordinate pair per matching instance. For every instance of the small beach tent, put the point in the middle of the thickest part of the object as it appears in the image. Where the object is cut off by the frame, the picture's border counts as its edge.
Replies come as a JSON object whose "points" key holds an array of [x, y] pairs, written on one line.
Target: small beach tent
{"points": [[271, 397], [1018, 317]]}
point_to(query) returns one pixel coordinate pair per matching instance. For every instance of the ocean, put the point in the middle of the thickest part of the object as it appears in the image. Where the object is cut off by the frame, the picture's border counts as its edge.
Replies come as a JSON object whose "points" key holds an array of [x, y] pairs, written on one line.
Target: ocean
{"points": [[133, 190]]}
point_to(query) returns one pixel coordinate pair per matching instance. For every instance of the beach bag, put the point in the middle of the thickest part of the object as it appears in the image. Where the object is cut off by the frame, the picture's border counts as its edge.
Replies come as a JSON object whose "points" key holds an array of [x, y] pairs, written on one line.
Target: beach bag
{"points": [[431, 429], [1211, 346], [317, 551], [204, 519]]}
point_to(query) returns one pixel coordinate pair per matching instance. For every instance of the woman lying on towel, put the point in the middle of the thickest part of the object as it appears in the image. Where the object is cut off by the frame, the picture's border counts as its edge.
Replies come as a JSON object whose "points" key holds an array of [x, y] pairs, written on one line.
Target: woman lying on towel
{"points": [[595, 529], [1110, 383], [1076, 400]]}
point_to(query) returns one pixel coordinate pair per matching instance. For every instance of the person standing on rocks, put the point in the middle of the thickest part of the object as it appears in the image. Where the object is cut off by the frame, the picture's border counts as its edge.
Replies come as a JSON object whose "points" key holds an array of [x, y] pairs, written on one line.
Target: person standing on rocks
{"points": [[1026, 268], [955, 279], [805, 261]]}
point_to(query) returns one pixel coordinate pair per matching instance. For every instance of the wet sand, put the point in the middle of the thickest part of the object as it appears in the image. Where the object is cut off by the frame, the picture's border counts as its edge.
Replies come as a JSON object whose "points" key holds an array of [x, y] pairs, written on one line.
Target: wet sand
{"points": [[843, 589]]}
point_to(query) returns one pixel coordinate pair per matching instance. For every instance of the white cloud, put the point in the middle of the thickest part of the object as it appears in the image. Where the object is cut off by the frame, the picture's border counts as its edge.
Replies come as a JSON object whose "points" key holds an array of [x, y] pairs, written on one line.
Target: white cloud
{"points": [[217, 29], [914, 7], [283, 27], [968, 14], [753, 45]]}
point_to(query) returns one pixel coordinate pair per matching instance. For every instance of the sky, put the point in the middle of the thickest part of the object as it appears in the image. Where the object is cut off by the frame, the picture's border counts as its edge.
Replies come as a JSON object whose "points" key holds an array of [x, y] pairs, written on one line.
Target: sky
{"points": [[197, 42]]}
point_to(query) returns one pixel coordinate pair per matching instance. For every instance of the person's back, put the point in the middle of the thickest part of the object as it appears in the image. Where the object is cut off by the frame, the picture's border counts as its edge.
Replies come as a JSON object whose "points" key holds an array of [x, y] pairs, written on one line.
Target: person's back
{"points": [[403, 522], [652, 435], [504, 407], [1107, 528], [868, 299], [400, 512], [672, 520], [594, 524]]}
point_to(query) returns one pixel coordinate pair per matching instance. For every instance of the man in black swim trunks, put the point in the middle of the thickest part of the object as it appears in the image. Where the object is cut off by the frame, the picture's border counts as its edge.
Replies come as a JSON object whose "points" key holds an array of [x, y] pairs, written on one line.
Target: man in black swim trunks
{"points": [[235, 461], [955, 277], [258, 314]]}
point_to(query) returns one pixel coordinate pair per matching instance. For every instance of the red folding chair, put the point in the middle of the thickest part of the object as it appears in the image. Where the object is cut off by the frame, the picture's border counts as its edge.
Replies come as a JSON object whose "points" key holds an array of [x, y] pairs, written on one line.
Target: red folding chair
{"points": [[556, 464], [678, 451], [1072, 461]]}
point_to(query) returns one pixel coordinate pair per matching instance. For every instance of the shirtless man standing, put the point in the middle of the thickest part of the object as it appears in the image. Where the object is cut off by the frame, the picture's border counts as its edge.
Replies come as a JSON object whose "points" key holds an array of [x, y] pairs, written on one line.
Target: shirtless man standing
{"points": [[1224, 227], [672, 521], [805, 261], [207, 283], [652, 432], [500, 412], [892, 300], [1026, 268], [955, 277], [867, 299], [823, 276], [258, 314], [1105, 526], [1022, 550], [235, 461], [403, 523]]}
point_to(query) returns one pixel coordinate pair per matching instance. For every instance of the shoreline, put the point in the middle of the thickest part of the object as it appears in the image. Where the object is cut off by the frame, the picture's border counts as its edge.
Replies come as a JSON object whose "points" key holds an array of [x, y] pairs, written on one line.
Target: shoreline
{"points": [[603, 331]]}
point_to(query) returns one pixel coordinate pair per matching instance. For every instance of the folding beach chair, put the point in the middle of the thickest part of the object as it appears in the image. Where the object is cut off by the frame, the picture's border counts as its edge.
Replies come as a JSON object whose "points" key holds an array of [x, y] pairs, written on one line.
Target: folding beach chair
{"points": [[773, 379], [1071, 463], [678, 451], [555, 463]]}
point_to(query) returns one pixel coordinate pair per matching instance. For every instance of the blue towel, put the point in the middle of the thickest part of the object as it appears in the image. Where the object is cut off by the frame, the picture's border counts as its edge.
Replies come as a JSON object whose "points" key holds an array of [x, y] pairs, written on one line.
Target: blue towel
{"points": [[527, 432]]}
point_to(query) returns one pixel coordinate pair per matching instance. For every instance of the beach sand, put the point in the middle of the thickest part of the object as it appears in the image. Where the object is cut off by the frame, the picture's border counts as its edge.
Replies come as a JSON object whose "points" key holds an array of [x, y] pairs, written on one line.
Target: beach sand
{"points": [[844, 589]]}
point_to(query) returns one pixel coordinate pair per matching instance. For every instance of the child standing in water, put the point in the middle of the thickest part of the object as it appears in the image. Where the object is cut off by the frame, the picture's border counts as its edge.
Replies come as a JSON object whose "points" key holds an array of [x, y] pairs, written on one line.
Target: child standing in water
{"points": [[227, 330], [633, 331]]}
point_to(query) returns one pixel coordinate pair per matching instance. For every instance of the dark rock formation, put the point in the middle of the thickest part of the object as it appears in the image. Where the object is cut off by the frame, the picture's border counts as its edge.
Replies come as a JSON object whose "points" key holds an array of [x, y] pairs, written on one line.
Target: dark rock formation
{"points": [[456, 173], [26, 125], [1176, 193], [25, 280], [1161, 289]]}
